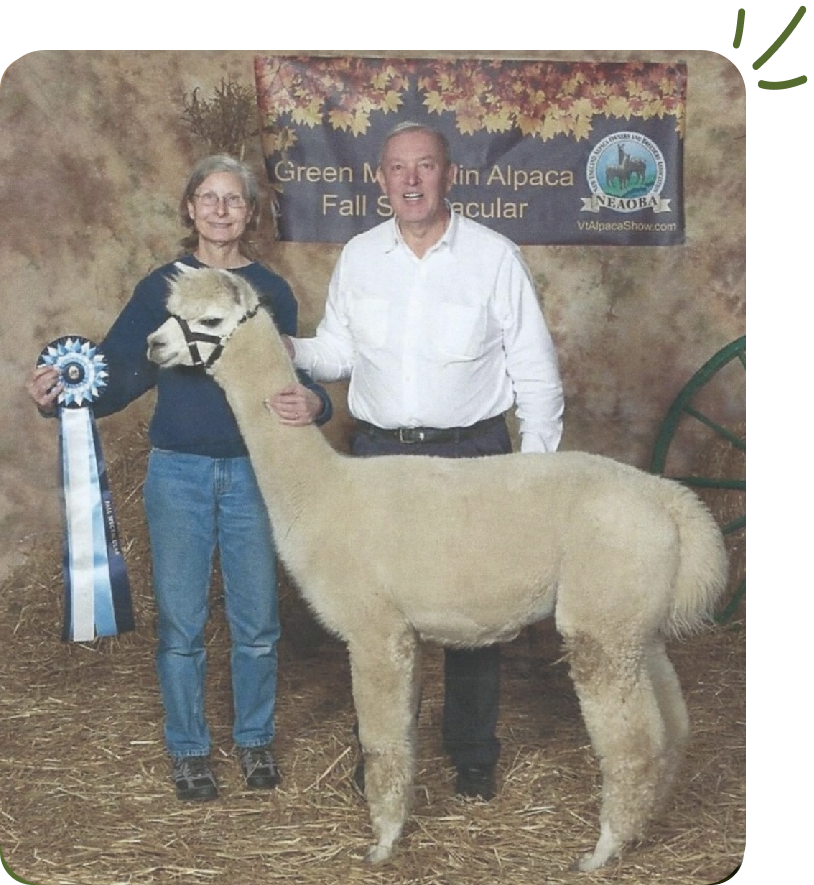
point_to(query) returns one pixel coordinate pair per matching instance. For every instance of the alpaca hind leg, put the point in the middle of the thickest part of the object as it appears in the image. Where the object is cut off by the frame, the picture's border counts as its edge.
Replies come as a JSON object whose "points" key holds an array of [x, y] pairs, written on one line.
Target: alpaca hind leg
{"points": [[385, 671], [627, 731], [674, 713]]}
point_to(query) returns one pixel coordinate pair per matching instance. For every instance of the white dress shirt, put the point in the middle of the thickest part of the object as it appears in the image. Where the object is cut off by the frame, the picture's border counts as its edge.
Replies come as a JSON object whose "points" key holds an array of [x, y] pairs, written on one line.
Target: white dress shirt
{"points": [[445, 340]]}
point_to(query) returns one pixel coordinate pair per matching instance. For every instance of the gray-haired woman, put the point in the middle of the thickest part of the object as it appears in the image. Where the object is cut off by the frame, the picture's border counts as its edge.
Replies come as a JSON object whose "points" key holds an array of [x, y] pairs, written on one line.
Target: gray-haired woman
{"points": [[200, 493]]}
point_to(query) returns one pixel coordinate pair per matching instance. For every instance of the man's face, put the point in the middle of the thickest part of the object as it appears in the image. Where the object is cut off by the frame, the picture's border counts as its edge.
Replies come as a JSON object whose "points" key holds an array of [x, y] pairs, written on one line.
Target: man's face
{"points": [[416, 177]]}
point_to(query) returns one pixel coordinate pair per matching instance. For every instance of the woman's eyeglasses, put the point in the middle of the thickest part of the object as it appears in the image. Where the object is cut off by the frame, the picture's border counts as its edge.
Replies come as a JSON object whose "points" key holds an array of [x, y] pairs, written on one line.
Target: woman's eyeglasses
{"points": [[211, 199]]}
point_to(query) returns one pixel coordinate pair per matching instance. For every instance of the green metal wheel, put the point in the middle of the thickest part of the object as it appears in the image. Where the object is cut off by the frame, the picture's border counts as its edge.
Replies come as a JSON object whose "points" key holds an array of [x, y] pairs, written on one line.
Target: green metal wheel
{"points": [[690, 404]]}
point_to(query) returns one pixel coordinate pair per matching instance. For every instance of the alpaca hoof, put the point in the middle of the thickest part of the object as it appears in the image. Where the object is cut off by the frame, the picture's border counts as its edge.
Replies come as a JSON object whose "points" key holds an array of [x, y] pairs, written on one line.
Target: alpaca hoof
{"points": [[607, 847], [378, 854], [588, 863]]}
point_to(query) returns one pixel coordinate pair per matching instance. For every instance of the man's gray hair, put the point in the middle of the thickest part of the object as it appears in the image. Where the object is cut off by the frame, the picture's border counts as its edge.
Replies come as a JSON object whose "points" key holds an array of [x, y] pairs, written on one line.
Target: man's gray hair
{"points": [[412, 126]]}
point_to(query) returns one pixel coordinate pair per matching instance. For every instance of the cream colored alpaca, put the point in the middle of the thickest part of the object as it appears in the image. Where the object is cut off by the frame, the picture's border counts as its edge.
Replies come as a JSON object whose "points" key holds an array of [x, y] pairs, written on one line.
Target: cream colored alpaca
{"points": [[390, 551]]}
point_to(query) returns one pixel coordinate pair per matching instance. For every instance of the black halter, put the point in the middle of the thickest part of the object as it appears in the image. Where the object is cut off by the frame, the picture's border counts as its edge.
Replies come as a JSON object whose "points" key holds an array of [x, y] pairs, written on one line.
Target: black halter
{"points": [[194, 338]]}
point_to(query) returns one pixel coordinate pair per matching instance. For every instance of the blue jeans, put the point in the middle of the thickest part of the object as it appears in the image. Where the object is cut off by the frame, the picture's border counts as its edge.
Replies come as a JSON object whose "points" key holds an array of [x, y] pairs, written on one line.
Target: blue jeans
{"points": [[193, 504]]}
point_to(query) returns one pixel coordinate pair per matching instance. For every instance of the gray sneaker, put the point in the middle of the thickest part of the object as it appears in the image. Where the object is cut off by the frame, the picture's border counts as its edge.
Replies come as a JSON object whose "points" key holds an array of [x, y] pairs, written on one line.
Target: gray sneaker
{"points": [[194, 780], [259, 768]]}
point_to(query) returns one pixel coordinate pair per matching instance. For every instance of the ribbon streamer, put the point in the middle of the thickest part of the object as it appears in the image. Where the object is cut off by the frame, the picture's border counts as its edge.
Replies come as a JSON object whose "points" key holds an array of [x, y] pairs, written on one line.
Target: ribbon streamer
{"points": [[97, 589]]}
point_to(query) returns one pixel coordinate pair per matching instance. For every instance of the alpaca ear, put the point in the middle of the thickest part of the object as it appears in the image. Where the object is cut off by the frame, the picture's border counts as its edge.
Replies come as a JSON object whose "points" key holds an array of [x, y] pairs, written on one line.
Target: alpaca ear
{"points": [[232, 284], [184, 268]]}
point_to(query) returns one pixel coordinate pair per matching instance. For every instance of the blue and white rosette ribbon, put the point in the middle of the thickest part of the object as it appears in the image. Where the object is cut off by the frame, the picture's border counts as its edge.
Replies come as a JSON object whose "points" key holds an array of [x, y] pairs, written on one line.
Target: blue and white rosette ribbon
{"points": [[97, 589]]}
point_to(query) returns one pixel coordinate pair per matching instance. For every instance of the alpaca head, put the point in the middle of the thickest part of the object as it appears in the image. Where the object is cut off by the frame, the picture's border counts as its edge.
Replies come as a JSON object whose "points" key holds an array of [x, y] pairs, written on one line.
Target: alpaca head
{"points": [[206, 305]]}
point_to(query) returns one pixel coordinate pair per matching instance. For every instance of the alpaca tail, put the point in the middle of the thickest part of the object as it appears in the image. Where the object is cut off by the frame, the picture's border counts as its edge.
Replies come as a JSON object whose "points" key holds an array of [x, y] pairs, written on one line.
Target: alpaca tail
{"points": [[703, 565]]}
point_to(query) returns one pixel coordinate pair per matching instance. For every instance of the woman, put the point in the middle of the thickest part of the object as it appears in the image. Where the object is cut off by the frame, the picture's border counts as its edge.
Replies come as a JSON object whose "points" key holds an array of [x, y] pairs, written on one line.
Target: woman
{"points": [[200, 492]]}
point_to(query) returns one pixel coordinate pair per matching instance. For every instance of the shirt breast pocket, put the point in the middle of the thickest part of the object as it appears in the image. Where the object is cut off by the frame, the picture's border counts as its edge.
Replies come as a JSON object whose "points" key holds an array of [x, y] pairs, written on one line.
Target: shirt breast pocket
{"points": [[369, 322], [461, 331]]}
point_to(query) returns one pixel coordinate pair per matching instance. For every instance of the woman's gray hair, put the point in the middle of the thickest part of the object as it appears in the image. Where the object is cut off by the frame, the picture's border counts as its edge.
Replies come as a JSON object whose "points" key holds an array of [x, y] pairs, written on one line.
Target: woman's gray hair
{"points": [[201, 171], [412, 126]]}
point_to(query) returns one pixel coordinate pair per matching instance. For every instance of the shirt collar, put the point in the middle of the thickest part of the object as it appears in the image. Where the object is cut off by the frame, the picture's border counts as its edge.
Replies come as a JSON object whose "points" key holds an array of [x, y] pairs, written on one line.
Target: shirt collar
{"points": [[447, 238]]}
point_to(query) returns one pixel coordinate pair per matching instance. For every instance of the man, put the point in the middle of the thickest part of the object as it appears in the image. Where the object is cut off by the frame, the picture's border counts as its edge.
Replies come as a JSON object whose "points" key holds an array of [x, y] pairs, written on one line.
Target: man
{"points": [[435, 321]]}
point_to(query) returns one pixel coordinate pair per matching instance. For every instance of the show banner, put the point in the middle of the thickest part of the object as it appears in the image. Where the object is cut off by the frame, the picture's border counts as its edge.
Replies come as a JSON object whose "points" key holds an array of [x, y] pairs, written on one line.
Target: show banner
{"points": [[546, 152]]}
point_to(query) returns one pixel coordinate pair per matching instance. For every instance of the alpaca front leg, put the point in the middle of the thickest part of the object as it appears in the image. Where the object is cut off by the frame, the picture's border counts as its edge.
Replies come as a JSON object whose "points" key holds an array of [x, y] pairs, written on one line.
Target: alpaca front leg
{"points": [[385, 690], [388, 783]]}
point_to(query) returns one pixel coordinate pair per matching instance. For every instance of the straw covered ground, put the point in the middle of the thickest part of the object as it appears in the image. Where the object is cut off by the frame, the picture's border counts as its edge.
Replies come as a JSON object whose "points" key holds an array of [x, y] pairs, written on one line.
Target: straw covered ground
{"points": [[85, 796]]}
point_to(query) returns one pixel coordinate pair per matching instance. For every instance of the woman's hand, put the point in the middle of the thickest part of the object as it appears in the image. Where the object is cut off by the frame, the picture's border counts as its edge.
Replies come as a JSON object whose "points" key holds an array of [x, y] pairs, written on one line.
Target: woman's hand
{"points": [[44, 388], [295, 405]]}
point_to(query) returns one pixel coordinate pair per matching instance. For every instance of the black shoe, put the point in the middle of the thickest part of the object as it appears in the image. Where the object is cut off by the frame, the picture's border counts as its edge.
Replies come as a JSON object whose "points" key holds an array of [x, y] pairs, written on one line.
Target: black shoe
{"points": [[194, 779], [476, 781], [258, 768]]}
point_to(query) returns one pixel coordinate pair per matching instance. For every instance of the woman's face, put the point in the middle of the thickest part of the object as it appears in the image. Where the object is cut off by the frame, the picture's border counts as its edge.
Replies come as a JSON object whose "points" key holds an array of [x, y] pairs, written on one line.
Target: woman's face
{"points": [[218, 208]]}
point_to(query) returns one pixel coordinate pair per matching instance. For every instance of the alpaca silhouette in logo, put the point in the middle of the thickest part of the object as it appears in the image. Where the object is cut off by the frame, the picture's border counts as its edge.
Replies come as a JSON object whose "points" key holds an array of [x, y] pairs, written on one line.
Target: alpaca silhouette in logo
{"points": [[625, 170]]}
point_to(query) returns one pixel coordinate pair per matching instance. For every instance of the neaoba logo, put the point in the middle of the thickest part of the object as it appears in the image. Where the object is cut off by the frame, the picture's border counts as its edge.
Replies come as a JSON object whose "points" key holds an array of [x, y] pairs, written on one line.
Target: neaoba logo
{"points": [[625, 173]]}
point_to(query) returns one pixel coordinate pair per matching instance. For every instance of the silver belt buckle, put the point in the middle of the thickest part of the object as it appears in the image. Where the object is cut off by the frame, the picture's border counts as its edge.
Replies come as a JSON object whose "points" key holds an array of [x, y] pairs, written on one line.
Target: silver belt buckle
{"points": [[410, 435]]}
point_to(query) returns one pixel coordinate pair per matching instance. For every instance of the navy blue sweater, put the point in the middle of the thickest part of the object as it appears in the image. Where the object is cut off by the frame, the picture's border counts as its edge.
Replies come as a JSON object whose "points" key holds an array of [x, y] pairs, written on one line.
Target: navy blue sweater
{"points": [[191, 413]]}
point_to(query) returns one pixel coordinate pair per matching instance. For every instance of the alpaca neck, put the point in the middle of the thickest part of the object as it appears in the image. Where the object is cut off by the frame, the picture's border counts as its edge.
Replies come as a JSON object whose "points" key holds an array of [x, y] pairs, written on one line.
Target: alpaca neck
{"points": [[293, 464]]}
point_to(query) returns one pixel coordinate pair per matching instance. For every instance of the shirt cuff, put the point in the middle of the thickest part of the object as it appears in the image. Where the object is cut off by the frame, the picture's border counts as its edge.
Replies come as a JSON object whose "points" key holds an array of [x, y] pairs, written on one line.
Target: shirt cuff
{"points": [[534, 442], [299, 360]]}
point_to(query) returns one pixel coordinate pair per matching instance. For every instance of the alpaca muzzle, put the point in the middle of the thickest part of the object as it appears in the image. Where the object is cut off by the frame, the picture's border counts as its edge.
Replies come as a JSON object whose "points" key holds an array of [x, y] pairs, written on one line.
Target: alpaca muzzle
{"points": [[193, 338]]}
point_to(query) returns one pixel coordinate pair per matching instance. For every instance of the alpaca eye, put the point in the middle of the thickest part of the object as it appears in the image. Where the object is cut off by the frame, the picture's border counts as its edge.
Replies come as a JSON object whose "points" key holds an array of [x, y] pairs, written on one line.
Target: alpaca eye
{"points": [[210, 322]]}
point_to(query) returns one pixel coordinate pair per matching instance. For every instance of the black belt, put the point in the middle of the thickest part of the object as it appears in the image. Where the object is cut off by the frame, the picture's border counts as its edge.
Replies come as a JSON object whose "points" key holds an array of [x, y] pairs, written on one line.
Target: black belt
{"points": [[429, 434]]}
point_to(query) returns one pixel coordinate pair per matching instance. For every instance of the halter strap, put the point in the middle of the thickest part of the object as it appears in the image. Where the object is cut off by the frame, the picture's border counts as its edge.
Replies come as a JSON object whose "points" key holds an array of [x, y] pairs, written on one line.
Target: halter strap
{"points": [[192, 339]]}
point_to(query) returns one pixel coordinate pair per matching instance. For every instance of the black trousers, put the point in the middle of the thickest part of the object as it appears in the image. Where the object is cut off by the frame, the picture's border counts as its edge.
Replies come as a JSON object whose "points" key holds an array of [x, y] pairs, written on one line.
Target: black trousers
{"points": [[471, 676]]}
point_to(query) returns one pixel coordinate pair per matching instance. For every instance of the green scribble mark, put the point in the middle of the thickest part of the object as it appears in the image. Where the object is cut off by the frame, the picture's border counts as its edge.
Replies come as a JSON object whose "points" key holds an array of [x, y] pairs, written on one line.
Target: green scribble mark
{"points": [[739, 28], [781, 39], [772, 84], [782, 84]]}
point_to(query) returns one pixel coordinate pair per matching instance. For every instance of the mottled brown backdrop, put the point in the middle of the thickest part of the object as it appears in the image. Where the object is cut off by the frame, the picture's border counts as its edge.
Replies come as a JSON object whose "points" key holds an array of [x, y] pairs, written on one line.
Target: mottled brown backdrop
{"points": [[94, 149]]}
